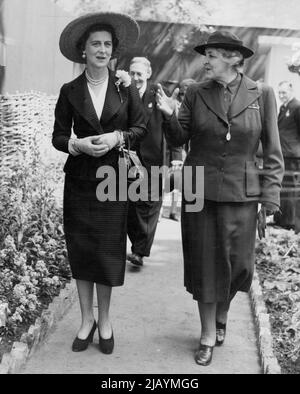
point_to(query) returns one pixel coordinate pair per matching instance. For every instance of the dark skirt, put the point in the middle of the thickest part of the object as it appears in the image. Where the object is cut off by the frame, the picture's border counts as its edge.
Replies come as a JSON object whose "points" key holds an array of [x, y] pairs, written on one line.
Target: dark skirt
{"points": [[95, 233], [218, 248]]}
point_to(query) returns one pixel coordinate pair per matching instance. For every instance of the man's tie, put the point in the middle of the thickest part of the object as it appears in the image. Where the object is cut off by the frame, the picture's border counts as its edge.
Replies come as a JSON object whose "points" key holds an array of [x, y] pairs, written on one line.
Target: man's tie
{"points": [[282, 111]]}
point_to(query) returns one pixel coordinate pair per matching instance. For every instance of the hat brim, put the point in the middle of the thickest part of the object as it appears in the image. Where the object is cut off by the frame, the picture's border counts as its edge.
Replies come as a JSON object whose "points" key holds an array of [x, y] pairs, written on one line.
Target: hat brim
{"points": [[126, 29], [246, 52]]}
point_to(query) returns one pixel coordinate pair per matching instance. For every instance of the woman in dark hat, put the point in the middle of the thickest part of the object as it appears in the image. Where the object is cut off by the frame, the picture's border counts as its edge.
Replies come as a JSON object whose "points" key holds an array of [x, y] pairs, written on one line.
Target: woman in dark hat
{"points": [[223, 121], [103, 110]]}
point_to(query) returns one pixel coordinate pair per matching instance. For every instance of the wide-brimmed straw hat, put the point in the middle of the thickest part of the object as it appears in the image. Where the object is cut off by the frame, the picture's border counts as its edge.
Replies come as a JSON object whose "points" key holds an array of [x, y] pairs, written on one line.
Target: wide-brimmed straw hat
{"points": [[126, 30], [226, 40]]}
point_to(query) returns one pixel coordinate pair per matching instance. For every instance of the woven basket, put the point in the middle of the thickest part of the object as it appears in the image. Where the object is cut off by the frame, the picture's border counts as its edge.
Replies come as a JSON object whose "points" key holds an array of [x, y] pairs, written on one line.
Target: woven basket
{"points": [[26, 125]]}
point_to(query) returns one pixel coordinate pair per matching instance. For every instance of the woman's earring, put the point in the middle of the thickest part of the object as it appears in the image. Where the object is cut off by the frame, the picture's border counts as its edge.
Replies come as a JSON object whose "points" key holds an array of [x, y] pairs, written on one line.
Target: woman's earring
{"points": [[83, 55]]}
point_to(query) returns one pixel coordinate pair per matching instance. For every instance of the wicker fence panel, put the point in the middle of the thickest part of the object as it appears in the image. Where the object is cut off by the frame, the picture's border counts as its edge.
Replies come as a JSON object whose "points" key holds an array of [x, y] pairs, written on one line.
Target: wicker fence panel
{"points": [[26, 124]]}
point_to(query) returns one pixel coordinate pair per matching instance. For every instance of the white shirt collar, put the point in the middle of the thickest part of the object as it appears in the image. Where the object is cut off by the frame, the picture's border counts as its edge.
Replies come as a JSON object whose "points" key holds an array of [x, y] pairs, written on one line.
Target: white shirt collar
{"points": [[98, 101]]}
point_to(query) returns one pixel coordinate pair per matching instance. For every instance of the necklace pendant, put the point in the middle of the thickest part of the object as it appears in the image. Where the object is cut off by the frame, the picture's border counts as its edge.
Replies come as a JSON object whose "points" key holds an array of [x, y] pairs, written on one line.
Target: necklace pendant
{"points": [[228, 136]]}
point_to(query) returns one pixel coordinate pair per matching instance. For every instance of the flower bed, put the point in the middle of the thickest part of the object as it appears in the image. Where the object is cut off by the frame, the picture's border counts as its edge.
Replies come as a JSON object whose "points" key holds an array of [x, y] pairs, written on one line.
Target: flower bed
{"points": [[34, 267], [278, 268], [33, 263]]}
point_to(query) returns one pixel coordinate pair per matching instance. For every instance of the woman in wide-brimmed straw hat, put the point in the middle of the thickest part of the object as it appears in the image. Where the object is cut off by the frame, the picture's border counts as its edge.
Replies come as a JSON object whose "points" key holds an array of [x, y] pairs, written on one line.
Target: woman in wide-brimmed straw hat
{"points": [[224, 119], [104, 111]]}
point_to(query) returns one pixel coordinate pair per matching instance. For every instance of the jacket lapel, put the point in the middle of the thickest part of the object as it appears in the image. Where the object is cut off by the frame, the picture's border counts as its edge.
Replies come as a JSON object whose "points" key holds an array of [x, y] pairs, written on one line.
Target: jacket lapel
{"points": [[211, 96], [80, 97], [113, 99], [246, 95]]}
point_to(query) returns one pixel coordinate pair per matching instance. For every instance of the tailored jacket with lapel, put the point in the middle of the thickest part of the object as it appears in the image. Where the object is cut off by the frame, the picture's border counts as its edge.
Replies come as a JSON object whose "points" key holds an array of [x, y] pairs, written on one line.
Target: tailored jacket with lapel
{"points": [[289, 129], [231, 173], [153, 148], [74, 109]]}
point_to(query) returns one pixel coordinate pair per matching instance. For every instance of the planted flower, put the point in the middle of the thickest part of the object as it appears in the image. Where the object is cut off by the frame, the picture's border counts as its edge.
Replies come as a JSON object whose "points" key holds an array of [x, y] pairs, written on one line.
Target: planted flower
{"points": [[33, 265]]}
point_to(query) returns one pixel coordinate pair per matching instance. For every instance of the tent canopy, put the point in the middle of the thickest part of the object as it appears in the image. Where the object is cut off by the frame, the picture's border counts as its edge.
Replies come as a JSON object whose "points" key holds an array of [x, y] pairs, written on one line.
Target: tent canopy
{"points": [[169, 47]]}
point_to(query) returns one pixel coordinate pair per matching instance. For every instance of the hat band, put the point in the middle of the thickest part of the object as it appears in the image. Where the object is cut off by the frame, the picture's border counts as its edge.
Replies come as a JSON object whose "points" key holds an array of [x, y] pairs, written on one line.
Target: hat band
{"points": [[213, 42]]}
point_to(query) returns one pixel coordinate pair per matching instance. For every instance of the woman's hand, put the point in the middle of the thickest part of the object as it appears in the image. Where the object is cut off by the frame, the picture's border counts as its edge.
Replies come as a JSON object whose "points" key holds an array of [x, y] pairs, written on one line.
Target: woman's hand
{"points": [[109, 139], [262, 222], [166, 104], [92, 146]]}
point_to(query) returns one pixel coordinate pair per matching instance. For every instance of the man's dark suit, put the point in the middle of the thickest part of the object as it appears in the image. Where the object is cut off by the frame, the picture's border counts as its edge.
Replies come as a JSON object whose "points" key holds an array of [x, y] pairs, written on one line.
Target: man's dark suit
{"points": [[289, 132], [143, 215]]}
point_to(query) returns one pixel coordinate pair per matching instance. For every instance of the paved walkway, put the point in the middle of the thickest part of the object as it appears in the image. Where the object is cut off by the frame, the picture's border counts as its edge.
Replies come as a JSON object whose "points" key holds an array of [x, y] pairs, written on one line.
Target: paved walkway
{"points": [[156, 326]]}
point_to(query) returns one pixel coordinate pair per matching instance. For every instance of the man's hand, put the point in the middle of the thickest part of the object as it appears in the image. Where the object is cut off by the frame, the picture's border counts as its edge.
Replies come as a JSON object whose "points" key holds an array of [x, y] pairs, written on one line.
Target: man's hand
{"points": [[176, 165]]}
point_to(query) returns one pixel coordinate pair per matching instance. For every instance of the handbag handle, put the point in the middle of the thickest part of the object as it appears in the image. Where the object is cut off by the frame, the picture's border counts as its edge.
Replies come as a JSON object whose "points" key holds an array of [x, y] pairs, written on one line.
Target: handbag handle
{"points": [[122, 145], [128, 143]]}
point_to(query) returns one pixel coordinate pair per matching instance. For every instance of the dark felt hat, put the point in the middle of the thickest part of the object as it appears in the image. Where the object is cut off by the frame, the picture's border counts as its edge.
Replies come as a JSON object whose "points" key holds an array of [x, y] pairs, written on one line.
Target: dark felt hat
{"points": [[125, 27], [226, 40]]}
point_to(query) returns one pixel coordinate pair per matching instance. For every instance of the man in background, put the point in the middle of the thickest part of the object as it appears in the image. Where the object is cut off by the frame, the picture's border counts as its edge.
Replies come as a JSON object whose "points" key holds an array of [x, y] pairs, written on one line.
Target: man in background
{"points": [[183, 85], [289, 131], [143, 215]]}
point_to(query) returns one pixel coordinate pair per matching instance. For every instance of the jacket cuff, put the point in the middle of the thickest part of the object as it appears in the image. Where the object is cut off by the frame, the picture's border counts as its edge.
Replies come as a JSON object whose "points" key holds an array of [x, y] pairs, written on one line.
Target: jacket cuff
{"points": [[270, 207]]}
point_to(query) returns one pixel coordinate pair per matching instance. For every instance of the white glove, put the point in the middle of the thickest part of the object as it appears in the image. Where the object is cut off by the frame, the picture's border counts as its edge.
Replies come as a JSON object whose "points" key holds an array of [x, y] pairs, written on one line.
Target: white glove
{"points": [[91, 146], [109, 139]]}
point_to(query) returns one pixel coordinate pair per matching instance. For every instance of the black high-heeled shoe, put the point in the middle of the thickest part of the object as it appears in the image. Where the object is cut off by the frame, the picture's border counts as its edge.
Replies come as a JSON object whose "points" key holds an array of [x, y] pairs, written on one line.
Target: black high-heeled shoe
{"points": [[204, 354], [106, 346], [220, 333], [81, 344]]}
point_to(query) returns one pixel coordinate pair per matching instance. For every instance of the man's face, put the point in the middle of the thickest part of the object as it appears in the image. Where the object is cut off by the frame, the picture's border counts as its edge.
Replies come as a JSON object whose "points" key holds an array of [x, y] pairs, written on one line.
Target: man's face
{"points": [[139, 74], [285, 93]]}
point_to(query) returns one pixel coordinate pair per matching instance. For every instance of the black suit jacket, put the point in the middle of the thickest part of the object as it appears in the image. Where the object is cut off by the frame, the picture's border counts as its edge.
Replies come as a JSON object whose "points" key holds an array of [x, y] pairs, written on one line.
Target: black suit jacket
{"points": [[74, 110], [289, 129], [153, 148], [230, 169]]}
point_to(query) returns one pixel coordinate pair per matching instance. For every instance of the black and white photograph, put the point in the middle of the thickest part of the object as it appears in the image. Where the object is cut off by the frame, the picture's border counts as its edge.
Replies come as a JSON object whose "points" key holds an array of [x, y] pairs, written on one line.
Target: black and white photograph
{"points": [[149, 190]]}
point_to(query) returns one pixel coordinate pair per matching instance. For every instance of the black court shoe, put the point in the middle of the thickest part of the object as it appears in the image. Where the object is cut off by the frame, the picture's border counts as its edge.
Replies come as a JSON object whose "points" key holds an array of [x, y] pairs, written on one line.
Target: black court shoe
{"points": [[106, 346], [81, 344], [204, 354], [135, 259], [174, 216], [220, 333]]}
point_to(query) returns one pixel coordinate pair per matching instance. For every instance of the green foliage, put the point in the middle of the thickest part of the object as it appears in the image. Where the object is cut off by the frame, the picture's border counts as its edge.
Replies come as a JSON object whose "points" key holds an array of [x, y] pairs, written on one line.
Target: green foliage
{"points": [[278, 267], [33, 264], [184, 11], [172, 10]]}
